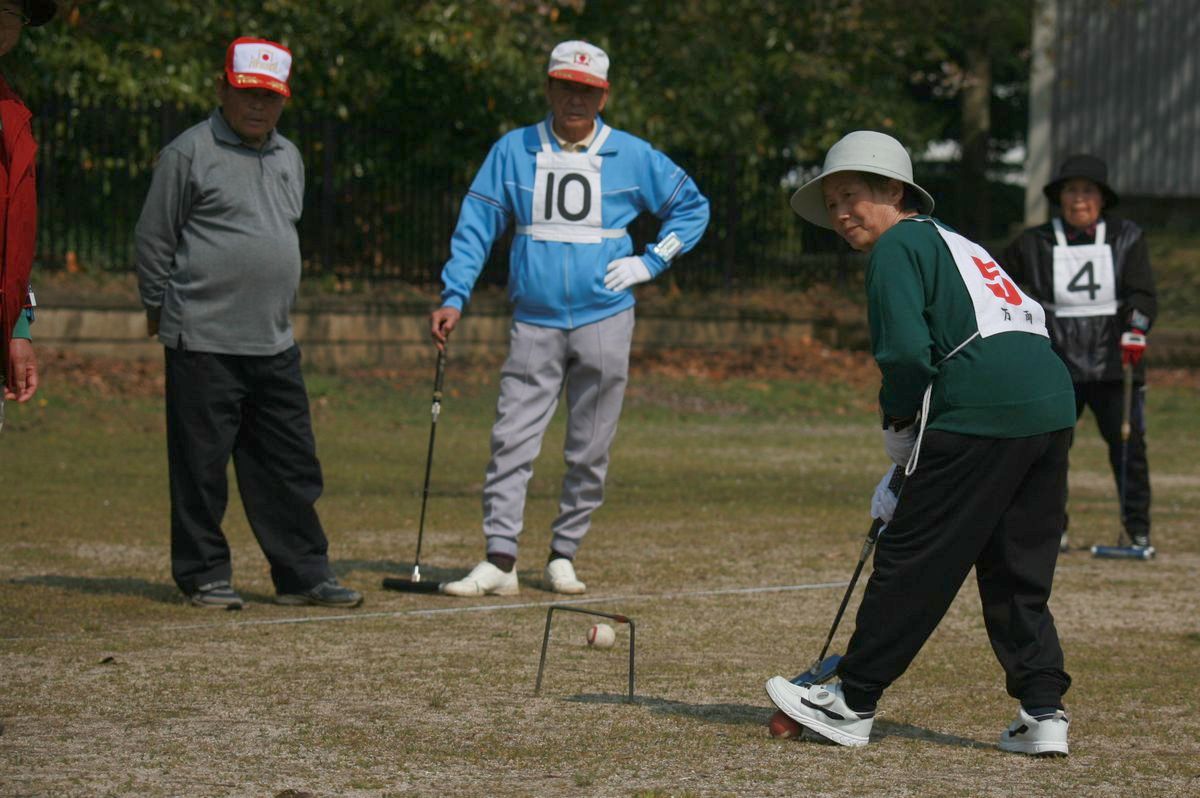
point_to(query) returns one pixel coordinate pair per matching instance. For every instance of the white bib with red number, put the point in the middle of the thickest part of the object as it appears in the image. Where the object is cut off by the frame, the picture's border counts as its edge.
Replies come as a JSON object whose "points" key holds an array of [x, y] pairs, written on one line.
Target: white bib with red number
{"points": [[1085, 281], [999, 305]]}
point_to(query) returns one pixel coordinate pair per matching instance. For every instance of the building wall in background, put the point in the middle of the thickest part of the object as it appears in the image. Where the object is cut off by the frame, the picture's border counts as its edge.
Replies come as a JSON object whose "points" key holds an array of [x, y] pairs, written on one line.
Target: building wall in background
{"points": [[1120, 80]]}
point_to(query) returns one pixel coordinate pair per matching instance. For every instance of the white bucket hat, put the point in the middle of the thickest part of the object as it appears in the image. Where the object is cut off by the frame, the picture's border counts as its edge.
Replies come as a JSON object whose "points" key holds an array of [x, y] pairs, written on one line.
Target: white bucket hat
{"points": [[860, 151]]}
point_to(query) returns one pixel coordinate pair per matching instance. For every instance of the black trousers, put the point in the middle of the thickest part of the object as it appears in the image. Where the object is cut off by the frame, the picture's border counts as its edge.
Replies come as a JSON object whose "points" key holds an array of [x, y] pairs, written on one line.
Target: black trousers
{"points": [[1106, 399], [996, 505], [254, 409]]}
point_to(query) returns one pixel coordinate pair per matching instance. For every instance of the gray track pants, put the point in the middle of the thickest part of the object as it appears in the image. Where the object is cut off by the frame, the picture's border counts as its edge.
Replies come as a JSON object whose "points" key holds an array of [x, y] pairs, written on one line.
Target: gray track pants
{"points": [[593, 363]]}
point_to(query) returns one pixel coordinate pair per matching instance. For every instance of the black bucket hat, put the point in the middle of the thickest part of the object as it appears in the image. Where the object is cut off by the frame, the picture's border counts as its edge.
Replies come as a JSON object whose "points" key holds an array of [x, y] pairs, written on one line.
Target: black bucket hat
{"points": [[1088, 167], [39, 11]]}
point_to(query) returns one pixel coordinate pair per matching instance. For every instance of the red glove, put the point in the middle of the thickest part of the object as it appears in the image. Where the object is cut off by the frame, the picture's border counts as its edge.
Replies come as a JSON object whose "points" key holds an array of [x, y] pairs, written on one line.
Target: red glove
{"points": [[1133, 344]]}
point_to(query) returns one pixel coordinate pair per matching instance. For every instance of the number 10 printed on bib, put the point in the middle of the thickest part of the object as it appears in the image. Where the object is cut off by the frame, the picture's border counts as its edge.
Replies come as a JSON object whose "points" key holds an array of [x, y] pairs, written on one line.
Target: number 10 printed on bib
{"points": [[566, 198]]}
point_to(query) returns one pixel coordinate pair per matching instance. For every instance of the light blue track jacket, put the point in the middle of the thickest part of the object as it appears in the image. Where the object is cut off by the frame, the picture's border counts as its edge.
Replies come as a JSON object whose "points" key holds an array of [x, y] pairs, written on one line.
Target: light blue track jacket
{"points": [[561, 284]]}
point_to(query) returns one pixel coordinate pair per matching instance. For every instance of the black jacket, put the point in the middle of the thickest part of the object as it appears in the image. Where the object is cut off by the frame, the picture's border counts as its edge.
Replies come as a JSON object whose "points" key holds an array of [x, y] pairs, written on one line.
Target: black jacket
{"points": [[1090, 346]]}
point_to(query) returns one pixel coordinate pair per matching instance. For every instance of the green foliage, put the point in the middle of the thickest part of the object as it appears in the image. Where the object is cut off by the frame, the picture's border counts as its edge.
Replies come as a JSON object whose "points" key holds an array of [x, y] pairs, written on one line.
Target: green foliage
{"points": [[767, 79]]}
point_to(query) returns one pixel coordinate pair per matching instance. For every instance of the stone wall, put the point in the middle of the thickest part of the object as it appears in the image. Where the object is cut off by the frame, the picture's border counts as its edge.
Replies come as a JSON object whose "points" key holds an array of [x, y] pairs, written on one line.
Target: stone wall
{"points": [[334, 340], [340, 339]]}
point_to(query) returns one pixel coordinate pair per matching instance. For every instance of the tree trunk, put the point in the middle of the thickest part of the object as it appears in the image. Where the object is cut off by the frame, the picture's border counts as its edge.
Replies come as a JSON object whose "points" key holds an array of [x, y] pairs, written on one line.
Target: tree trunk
{"points": [[976, 132]]}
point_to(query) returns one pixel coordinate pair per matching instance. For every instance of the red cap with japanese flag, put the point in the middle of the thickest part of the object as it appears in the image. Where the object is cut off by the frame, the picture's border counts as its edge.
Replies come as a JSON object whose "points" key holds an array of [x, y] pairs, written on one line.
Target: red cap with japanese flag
{"points": [[258, 64], [580, 62]]}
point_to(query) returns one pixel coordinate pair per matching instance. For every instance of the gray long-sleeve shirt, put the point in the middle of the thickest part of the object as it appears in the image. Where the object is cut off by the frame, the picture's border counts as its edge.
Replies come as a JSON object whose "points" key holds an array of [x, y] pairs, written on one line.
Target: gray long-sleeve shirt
{"points": [[218, 256]]}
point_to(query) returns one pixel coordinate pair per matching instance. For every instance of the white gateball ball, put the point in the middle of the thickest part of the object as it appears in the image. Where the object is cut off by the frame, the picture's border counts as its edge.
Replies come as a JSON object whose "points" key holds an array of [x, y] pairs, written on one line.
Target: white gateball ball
{"points": [[601, 636]]}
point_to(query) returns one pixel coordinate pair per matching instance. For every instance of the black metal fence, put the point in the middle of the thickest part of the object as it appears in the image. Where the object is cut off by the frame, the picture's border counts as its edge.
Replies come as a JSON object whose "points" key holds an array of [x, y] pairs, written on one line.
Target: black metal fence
{"points": [[374, 212]]}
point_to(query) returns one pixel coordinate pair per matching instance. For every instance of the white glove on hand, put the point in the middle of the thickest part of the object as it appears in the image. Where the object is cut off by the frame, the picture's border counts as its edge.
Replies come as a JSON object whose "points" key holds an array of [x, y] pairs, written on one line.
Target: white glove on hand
{"points": [[899, 445], [883, 503], [625, 273]]}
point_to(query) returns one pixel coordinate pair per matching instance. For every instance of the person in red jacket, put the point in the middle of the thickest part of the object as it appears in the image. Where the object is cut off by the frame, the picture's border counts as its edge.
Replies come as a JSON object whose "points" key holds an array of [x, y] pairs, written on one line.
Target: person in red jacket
{"points": [[18, 211]]}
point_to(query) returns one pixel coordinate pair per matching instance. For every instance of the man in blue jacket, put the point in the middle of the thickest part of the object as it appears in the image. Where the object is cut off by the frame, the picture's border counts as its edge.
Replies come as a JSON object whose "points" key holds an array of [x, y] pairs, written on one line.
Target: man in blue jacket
{"points": [[571, 185]]}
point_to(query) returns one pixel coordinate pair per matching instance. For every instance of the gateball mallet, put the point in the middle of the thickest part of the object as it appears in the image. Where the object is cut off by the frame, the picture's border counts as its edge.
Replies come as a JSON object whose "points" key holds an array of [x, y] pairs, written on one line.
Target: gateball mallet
{"points": [[1119, 551], [824, 667], [414, 584]]}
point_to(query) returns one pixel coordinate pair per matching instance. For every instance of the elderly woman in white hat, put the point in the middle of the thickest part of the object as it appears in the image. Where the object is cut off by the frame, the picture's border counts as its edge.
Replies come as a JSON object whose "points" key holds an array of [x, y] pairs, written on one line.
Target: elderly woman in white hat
{"points": [[977, 409]]}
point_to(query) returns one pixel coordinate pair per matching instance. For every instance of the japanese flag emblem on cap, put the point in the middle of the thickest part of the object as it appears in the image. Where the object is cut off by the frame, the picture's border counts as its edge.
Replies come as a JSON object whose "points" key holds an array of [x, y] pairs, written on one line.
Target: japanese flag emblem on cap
{"points": [[580, 62], [258, 64]]}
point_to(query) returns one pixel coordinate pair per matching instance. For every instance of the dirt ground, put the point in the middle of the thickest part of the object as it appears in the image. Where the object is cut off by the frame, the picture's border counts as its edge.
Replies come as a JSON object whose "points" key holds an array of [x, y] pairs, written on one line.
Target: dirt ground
{"points": [[727, 536]]}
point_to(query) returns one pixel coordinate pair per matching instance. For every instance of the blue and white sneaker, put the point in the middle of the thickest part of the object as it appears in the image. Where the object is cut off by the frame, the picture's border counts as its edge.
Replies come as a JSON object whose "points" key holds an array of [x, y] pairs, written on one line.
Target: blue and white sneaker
{"points": [[1037, 735], [822, 709]]}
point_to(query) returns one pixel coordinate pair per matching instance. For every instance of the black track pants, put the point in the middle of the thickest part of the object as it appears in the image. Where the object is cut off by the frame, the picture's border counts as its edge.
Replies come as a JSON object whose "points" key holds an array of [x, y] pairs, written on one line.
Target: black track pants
{"points": [[1106, 399], [992, 504], [254, 409]]}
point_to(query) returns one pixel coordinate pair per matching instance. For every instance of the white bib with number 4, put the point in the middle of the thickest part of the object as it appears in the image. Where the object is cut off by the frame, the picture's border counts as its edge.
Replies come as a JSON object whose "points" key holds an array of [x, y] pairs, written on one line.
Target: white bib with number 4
{"points": [[1085, 282], [567, 202]]}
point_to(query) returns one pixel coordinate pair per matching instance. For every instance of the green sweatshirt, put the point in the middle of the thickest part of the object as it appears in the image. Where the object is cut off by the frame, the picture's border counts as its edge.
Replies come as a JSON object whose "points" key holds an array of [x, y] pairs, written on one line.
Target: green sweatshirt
{"points": [[1008, 385]]}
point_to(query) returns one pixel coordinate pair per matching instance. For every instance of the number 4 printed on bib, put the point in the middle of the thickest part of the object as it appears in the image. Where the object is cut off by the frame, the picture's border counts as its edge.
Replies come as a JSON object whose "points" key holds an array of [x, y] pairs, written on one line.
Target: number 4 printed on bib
{"points": [[1091, 286], [1085, 279]]}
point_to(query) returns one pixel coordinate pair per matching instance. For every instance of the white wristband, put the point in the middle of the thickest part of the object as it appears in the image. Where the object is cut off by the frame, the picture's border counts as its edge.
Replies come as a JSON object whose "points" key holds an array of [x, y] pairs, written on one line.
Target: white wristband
{"points": [[668, 248]]}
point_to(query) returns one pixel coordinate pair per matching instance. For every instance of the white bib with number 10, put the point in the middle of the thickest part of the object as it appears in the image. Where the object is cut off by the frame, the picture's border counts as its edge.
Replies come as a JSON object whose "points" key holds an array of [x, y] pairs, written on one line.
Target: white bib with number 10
{"points": [[566, 193], [1085, 282]]}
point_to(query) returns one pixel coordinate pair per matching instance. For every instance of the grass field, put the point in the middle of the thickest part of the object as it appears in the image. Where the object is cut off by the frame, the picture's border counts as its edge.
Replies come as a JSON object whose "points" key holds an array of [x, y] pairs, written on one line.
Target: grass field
{"points": [[735, 513]]}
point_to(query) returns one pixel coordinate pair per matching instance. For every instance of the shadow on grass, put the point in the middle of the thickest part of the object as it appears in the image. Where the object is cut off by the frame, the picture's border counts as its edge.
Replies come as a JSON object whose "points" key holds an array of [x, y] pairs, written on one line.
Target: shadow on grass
{"points": [[884, 729], [393, 568], [724, 713], [747, 714], [106, 586]]}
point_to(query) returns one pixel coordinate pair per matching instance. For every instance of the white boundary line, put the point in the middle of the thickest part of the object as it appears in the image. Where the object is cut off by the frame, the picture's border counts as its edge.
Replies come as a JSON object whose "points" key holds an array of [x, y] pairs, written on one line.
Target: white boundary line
{"points": [[362, 616]]}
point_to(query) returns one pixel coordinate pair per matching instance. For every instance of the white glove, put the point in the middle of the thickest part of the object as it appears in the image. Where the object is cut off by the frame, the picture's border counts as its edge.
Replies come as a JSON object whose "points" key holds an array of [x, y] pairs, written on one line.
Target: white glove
{"points": [[899, 445], [625, 273], [883, 503]]}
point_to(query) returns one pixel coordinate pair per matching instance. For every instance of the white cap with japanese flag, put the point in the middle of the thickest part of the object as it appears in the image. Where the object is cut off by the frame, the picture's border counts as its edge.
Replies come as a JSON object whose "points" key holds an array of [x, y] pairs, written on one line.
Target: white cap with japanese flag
{"points": [[258, 64], [579, 62]]}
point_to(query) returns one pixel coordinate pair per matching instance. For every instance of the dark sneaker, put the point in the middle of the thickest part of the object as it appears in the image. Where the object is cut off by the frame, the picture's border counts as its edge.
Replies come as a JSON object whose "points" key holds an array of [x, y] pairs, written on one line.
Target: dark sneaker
{"points": [[1140, 541], [326, 594], [217, 595]]}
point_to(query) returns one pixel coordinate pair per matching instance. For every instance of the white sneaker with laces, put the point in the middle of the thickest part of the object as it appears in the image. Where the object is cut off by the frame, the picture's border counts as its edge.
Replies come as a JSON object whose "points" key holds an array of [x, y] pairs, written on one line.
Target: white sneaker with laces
{"points": [[560, 573], [822, 708], [485, 579], [1041, 735]]}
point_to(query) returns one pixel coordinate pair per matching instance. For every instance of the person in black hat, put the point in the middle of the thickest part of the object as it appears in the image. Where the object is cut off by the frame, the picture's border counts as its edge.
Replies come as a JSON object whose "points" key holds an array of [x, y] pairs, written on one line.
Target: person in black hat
{"points": [[1091, 272], [18, 213]]}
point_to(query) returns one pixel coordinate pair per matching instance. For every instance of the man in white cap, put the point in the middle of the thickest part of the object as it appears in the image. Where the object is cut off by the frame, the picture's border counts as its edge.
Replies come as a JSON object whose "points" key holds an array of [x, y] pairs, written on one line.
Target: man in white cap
{"points": [[18, 213], [571, 185], [218, 265]]}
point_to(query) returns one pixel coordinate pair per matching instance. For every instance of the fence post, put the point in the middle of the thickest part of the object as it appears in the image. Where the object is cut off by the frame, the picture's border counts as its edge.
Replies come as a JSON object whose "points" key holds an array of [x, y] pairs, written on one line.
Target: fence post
{"points": [[328, 191], [732, 219]]}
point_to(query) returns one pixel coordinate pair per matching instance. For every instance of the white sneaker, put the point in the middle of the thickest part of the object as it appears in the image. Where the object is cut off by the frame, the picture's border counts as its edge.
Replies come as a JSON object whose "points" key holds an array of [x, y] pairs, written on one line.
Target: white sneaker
{"points": [[485, 579], [560, 573], [822, 708], [1044, 735]]}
